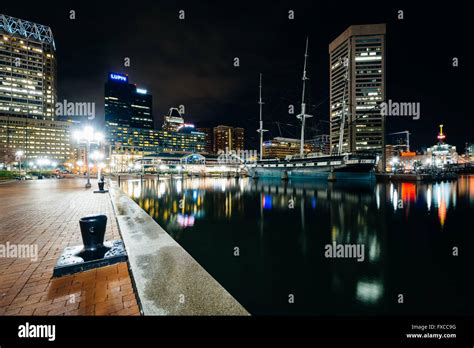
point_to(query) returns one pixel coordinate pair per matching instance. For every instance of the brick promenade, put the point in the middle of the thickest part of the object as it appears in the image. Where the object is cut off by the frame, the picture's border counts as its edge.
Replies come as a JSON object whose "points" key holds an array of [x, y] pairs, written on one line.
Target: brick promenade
{"points": [[46, 213]]}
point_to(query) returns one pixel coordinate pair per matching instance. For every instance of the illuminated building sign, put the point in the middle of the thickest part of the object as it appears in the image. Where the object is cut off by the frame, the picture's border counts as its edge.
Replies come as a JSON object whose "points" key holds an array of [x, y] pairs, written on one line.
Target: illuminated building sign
{"points": [[118, 77], [408, 154], [186, 125], [141, 91]]}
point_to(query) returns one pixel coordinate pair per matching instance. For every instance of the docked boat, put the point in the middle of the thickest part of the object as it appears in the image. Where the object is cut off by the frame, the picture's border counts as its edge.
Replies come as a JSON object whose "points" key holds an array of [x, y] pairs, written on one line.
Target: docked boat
{"points": [[337, 166]]}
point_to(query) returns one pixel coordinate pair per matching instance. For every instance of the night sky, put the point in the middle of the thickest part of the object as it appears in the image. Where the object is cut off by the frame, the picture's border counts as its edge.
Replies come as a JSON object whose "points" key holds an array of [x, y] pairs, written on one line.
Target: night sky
{"points": [[190, 61]]}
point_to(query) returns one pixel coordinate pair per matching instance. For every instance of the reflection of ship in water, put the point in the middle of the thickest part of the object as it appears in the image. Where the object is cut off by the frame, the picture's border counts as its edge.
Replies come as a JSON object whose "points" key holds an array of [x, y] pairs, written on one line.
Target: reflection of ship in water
{"points": [[282, 228], [350, 207], [320, 213]]}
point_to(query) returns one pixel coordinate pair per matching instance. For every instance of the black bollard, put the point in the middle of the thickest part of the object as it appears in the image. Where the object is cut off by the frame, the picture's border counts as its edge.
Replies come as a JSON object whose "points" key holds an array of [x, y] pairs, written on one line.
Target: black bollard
{"points": [[94, 252], [101, 183], [93, 231]]}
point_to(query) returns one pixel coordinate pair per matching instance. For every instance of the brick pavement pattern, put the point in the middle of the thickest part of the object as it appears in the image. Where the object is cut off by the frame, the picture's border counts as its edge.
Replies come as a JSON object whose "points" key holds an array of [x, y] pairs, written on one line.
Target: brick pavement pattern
{"points": [[46, 213]]}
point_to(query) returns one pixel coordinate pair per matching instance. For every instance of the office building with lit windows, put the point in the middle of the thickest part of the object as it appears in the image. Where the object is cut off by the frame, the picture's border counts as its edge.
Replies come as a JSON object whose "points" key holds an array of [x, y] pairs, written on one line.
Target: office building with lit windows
{"points": [[319, 144], [28, 93], [228, 139], [282, 147], [208, 138], [126, 106], [173, 120], [27, 69], [148, 141], [186, 139], [357, 73], [35, 138]]}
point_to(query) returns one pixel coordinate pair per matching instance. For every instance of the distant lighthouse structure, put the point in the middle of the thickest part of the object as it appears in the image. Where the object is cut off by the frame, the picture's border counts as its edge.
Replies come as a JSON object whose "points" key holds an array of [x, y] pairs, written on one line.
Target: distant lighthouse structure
{"points": [[441, 135], [441, 154]]}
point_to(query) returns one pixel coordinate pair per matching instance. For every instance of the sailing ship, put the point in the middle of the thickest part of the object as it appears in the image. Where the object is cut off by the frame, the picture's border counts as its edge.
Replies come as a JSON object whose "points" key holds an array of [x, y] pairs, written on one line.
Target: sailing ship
{"points": [[337, 166]]}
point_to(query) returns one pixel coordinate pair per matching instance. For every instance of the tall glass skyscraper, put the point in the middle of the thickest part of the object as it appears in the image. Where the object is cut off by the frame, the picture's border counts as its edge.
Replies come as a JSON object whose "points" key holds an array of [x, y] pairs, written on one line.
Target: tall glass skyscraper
{"points": [[126, 108], [357, 80], [126, 105]]}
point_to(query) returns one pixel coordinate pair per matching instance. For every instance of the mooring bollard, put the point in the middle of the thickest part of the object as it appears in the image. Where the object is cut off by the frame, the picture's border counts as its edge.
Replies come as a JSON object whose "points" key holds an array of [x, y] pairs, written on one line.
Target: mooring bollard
{"points": [[101, 183], [94, 252], [93, 231]]}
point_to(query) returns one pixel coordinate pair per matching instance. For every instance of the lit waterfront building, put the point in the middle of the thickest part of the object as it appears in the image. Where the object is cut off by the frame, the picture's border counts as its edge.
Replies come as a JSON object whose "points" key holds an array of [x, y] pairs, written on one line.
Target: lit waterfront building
{"points": [[145, 140], [359, 50], [185, 139], [470, 150], [442, 153], [173, 121], [208, 138], [436, 156], [320, 144], [226, 138], [36, 138], [282, 147], [27, 69], [150, 141]]}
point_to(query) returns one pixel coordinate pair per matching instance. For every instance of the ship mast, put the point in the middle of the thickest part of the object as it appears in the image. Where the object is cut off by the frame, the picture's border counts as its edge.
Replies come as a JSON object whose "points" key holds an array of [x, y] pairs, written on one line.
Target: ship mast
{"points": [[303, 115], [261, 130]]}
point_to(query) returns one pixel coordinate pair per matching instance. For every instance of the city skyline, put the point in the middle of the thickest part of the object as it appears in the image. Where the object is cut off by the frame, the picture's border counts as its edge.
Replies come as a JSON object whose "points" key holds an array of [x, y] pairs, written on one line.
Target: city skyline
{"points": [[213, 89], [244, 160]]}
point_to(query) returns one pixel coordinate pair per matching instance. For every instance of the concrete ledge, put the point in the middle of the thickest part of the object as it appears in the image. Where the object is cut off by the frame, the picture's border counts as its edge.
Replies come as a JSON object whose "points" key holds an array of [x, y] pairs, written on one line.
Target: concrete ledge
{"points": [[168, 280]]}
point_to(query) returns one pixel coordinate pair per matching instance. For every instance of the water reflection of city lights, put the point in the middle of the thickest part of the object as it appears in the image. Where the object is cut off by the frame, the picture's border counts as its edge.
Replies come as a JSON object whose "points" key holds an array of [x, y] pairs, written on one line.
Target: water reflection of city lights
{"points": [[185, 220], [471, 190], [374, 250], [395, 199], [369, 291], [161, 189], [408, 192], [137, 190], [377, 196], [179, 186], [267, 202], [428, 198], [324, 214], [442, 212]]}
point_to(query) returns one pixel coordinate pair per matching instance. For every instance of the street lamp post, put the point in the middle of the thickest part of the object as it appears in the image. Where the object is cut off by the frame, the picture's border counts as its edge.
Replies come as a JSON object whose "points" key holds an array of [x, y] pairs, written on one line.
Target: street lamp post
{"points": [[88, 136], [98, 156], [19, 154]]}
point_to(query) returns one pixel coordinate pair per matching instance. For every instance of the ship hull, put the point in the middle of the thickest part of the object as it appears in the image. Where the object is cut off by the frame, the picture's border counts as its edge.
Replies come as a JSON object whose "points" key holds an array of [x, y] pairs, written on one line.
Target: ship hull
{"points": [[348, 167]]}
